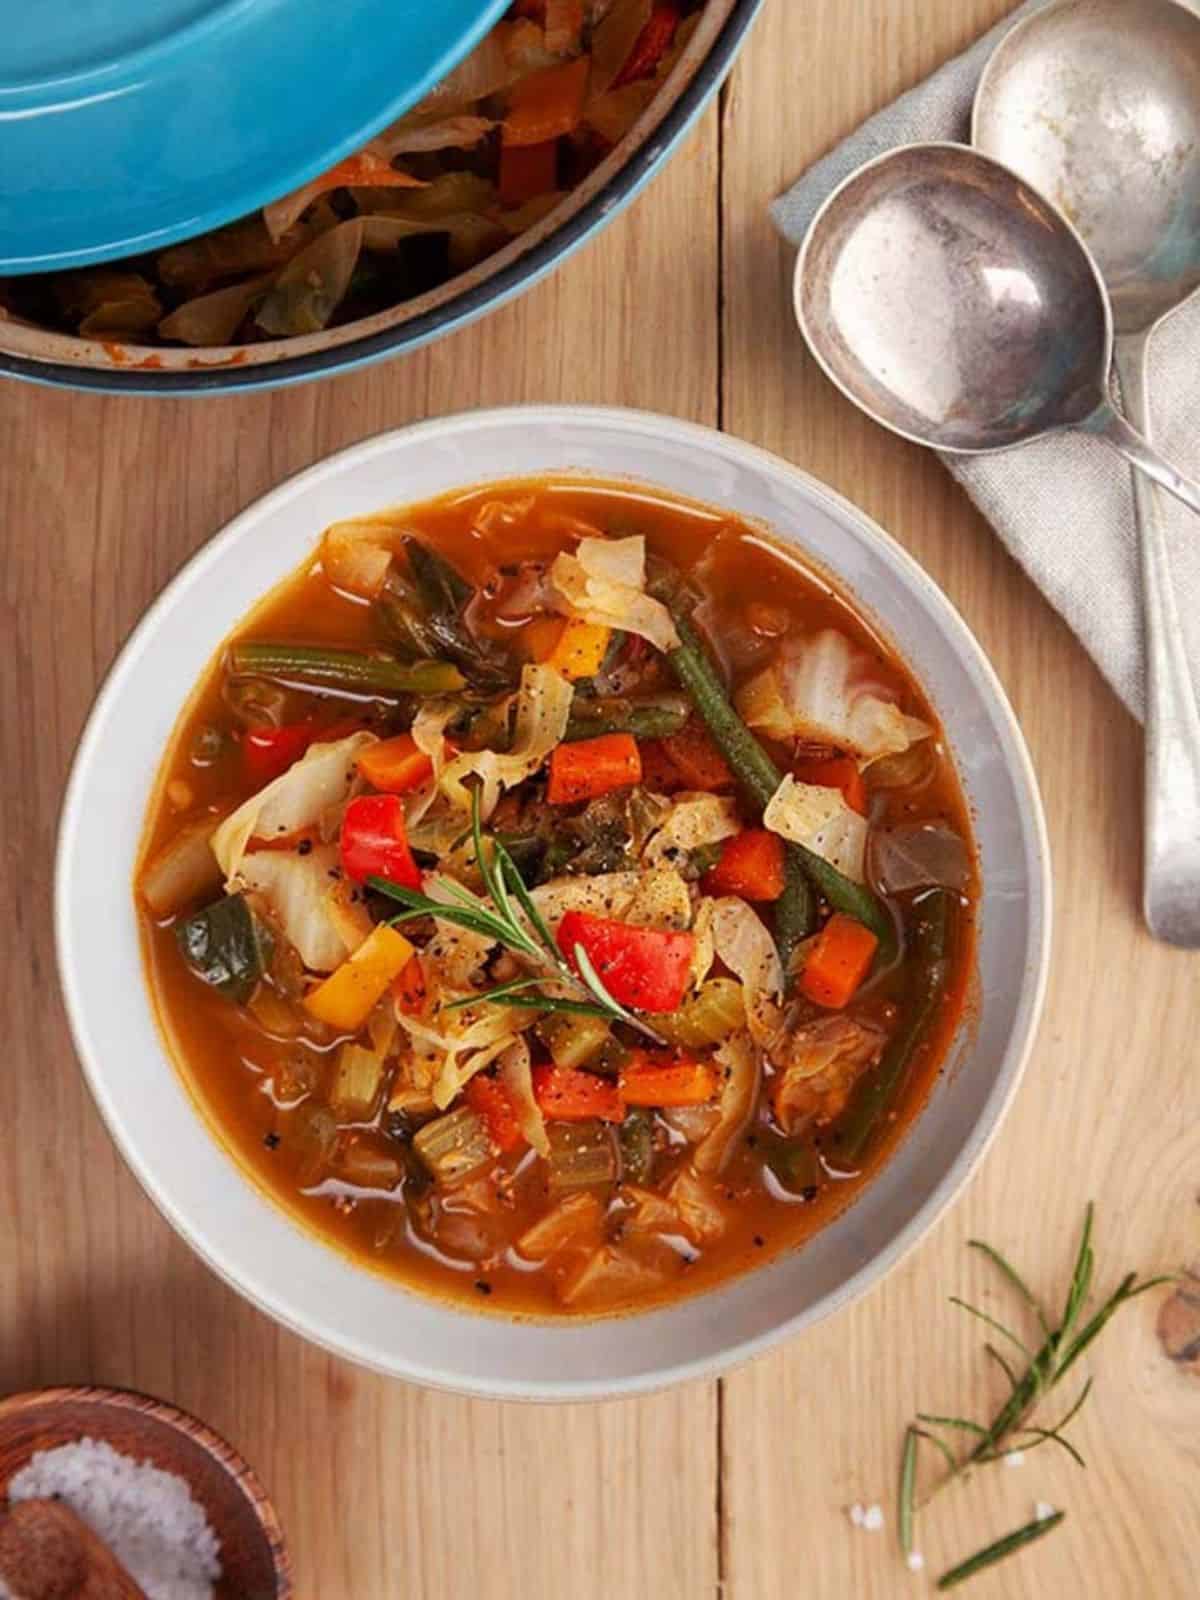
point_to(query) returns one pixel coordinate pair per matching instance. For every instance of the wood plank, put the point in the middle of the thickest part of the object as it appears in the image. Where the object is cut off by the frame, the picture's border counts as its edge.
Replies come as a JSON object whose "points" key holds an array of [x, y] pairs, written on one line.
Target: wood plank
{"points": [[1108, 1109], [383, 1489]]}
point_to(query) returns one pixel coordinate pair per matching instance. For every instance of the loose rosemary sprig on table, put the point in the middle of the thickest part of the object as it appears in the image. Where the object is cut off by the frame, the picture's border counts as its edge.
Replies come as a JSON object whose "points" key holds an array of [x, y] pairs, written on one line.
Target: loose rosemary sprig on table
{"points": [[1010, 1428], [501, 923]]}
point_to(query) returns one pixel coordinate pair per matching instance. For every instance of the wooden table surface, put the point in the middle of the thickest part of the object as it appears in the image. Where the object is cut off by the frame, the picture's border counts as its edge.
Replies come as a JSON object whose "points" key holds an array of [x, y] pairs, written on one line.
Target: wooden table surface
{"points": [[738, 1487]]}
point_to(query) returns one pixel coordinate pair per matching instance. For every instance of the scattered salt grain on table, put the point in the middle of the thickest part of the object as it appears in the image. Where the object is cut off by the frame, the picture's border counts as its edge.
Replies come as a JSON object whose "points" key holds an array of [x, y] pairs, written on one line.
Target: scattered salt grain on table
{"points": [[147, 1517], [916, 1561], [1015, 1458], [868, 1517], [1042, 1511]]}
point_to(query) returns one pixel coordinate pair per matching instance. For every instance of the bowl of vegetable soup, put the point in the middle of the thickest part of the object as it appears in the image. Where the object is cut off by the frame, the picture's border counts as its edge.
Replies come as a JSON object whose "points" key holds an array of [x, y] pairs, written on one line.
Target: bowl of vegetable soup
{"points": [[539, 137], [568, 931]]}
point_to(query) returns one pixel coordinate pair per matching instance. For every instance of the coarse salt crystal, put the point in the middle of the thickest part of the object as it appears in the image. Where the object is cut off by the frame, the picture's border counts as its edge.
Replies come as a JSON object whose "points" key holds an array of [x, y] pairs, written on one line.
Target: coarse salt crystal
{"points": [[146, 1516], [1015, 1458], [915, 1561], [873, 1519], [1042, 1511], [856, 1514]]}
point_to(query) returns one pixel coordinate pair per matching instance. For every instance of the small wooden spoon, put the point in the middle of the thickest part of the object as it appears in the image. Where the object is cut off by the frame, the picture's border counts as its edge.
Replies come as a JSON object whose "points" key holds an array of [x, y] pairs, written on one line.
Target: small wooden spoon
{"points": [[49, 1553]]}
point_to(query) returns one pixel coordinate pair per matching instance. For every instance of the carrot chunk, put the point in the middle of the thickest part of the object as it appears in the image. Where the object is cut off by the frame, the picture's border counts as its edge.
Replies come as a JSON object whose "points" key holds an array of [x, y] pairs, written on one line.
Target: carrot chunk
{"points": [[700, 763], [836, 772], [656, 1080], [567, 1094], [395, 765], [751, 866], [547, 104], [839, 960], [588, 768]]}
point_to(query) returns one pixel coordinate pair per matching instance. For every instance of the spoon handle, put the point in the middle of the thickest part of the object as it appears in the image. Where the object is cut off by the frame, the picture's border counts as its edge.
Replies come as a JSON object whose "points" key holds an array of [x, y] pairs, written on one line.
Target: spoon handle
{"points": [[1107, 423], [1171, 845]]}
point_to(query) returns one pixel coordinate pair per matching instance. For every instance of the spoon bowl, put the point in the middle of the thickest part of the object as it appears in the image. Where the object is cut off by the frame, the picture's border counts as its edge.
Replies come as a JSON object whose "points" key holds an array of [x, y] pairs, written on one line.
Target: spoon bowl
{"points": [[1097, 104], [951, 302]]}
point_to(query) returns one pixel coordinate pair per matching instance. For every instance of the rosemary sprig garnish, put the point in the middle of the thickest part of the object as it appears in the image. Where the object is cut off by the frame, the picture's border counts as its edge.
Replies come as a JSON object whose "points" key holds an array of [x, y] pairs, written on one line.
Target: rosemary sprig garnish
{"points": [[997, 1552], [1010, 1428], [501, 924]]}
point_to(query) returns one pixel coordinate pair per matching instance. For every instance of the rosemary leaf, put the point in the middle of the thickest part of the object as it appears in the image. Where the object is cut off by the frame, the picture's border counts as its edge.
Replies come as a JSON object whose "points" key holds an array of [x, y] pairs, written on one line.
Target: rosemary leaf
{"points": [[996, 1552], [525, 900], [947, 1453], [1015, 1279], [908, 1475], [503, 992], [999, 1327], [593, 982], [547, 1002], [950, 1422], [1004, 1364]]}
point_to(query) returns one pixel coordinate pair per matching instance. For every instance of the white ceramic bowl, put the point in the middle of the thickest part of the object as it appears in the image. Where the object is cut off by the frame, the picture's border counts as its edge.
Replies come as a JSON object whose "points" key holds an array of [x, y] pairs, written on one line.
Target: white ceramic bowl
{"points": [[196, 1184]]}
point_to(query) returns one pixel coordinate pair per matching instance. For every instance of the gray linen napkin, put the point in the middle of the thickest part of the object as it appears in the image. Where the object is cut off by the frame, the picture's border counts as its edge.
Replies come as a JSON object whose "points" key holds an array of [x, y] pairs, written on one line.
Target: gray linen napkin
{"points": [[1063, 506]]}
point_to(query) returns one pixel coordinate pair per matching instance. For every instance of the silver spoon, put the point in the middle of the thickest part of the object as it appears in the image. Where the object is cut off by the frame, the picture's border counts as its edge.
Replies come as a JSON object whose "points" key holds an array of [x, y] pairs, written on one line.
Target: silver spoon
{"points": [[1097, 104]]}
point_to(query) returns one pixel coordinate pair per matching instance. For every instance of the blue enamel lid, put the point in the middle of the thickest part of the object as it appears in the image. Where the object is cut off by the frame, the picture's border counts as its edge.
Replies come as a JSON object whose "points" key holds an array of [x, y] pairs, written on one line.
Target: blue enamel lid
{"points": [[126, 125]]}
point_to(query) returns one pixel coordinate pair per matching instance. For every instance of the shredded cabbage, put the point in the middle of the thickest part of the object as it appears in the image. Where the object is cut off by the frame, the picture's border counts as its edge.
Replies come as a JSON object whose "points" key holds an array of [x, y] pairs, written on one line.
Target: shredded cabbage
{"points": [[364, 169], [466, 1041], [455, 957], [819, 818], [747, 949], [604, 582], [694, 820], [320, 779], [356, 555], [414, 133], [429, 735], [661, 900], [818, 688], [605, 895], [741, 1064], [517, 1078], [213, 318], [299, 890], [543, 707]]}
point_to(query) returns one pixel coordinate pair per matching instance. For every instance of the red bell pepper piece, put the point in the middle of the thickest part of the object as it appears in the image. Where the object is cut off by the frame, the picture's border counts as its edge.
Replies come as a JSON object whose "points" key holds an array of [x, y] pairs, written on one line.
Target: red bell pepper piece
{"points": [[374, 841], [646, 968], [655, 39], [267, 753], [565, 1094]]}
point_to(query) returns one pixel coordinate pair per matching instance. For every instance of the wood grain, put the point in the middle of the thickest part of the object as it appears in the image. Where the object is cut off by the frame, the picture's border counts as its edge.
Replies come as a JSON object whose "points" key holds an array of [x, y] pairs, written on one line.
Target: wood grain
{"points": [[385, 1490]]}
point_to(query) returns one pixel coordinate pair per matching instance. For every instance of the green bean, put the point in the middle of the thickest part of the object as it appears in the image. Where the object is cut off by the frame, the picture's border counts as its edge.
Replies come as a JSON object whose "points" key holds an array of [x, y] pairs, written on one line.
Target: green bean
{"points": [[795, 912], [930, 944], [644, 719], [750, 763], [354, 671], [855, 899]]}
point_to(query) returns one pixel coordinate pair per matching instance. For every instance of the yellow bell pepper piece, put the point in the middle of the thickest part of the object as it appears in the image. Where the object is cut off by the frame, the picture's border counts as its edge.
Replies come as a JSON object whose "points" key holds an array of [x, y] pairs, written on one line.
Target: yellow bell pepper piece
{"points": [[348, 996], [540, 637], [580, 650]]}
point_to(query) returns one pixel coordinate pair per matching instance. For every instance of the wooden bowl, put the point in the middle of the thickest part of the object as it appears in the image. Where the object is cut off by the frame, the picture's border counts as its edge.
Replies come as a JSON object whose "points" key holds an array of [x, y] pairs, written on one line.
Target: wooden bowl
{"points": [[37, 353], [254, 1560]]}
